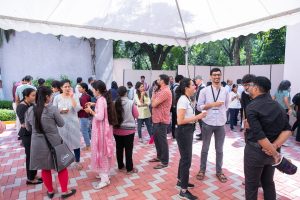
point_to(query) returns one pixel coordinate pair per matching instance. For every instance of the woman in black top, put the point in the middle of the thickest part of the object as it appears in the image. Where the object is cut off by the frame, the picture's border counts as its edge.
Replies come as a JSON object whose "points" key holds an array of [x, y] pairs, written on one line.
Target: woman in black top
{"points": [[29, 98]]}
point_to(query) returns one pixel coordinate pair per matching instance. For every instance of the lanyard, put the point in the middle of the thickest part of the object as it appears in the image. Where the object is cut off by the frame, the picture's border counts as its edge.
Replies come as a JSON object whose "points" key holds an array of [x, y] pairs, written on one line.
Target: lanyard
{"points": [[215, 99], [191, 104]]}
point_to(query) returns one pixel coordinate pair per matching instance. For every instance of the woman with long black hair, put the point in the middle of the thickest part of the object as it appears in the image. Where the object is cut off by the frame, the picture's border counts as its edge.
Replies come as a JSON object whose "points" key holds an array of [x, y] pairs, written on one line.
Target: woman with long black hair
{"points": [[43, 120], [124, 131], [184, 133], [143, 102], [104, 118], [283, 97], [29, 95], [68, 105]]}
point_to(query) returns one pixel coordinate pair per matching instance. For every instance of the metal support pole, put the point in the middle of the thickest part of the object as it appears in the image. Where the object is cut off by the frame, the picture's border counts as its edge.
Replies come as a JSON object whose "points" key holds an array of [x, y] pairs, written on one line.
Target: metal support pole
{"points": [[187, 58]]}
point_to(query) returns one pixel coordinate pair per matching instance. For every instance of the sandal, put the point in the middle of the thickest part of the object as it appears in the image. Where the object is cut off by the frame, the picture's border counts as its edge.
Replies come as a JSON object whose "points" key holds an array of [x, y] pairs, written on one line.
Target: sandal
{"points": [[72, 192], [160, 166], [133, 171], [34, 182], [200, 176], [154, 160], [122, 169], [222, 178], [50, 195]]}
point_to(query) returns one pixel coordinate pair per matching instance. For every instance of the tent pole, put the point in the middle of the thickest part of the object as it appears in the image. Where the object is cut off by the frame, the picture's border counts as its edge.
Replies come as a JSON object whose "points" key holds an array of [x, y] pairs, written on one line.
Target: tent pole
{"points": [[187, 58]]}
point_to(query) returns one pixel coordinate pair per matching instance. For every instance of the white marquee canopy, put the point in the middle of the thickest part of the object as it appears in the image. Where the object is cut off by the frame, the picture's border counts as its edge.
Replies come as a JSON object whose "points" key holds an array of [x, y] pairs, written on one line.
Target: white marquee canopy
{"points": [[171, 22]]}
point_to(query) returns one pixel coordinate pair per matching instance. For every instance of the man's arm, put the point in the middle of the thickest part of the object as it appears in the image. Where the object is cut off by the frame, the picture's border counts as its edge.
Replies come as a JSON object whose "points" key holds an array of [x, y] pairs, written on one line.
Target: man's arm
{"points": [[159, 99], [263, 141]]}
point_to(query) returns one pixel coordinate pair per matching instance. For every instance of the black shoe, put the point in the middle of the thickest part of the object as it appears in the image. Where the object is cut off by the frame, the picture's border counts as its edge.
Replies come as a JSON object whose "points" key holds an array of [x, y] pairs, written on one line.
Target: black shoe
{"points": [[187, 195], [190, 185], [198, 135], [64, 196], [38, 181], [50, 195]]}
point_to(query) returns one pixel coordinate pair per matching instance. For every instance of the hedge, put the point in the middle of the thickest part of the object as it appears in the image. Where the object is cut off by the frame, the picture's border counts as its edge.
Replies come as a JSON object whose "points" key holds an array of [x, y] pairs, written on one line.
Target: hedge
{"points": [[7, 115], [6, 105]]}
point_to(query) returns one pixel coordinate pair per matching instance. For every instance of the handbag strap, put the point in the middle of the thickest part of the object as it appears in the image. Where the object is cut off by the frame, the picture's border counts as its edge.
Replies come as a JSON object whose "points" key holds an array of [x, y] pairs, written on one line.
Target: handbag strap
{"points": [[48, 142]]}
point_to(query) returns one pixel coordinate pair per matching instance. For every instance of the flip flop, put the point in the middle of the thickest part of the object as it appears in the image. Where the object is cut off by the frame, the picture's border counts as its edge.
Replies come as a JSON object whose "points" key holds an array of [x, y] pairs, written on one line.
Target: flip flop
{"points": [[222, 178], [200, 176]]}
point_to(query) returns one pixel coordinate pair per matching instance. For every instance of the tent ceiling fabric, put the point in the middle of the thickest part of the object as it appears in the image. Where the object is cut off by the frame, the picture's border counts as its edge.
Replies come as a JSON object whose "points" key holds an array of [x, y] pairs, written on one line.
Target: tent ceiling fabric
{"points": [[150, 21]]}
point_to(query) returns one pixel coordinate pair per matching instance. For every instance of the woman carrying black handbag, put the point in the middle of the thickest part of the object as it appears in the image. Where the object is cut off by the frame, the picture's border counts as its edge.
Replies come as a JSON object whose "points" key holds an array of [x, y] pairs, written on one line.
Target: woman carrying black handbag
{"points": [[29, 95], [44, 119]]}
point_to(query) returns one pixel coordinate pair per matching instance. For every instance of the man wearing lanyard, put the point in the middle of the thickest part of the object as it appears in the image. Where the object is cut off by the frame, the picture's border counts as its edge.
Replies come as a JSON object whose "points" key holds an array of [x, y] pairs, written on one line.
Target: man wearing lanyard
{"points": [[214, 99]]}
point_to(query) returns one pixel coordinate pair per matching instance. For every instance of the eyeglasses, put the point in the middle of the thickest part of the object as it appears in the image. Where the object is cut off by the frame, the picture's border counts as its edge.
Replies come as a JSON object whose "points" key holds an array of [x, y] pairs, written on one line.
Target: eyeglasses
{"points": [[216, 75]]}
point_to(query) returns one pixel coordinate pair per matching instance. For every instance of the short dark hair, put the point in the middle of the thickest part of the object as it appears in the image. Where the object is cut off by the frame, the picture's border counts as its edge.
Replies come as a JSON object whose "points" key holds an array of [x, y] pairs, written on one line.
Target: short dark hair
{"points": [[178, 78], [239, 81], [248, 78], [165, 78], [55, 84], [27, 78], [84, 86], [263, 83], [214, 70], [129, 83], [143, 77], [79, 80], [41, 81], [90, 79]]}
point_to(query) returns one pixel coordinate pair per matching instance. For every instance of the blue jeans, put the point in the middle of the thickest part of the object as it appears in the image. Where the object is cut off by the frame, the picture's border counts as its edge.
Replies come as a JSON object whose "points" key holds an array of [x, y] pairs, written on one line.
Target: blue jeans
{"points": [[148, 125], [85, 130]]}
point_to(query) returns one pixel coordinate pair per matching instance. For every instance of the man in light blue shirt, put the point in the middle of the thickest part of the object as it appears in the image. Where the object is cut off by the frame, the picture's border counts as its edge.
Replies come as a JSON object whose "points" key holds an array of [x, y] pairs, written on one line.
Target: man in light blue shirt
{"points": [[130, 90], [26, 83], [214, 100]]}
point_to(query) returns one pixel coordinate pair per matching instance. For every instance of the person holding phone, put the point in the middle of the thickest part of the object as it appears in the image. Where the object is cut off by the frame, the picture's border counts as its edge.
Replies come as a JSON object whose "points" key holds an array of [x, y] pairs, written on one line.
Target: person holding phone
{"points": [[68, 105]]}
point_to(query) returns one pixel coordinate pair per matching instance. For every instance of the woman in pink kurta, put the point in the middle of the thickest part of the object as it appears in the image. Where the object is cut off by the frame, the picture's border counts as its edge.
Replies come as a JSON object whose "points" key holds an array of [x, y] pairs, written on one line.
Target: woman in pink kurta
{"points": [[102, 158]]}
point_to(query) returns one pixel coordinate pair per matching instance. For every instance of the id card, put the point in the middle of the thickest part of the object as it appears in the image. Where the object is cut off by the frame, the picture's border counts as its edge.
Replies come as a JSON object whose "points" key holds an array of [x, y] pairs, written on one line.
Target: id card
{"points": [[215, 111]]}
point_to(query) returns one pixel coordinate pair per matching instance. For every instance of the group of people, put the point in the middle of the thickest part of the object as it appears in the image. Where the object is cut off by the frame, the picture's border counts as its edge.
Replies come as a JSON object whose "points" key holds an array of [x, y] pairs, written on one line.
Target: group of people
{"points": [[105, 116]]}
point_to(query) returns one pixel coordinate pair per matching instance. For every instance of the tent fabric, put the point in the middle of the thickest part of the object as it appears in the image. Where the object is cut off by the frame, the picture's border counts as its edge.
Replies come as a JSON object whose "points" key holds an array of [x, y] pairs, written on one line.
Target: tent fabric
{"points": [[170, 22]]}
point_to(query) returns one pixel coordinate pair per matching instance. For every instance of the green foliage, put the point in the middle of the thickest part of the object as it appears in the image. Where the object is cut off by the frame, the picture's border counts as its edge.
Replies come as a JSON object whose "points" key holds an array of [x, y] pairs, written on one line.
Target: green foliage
{"points": [[6, 105], [7, 115], [48, 81], [261, 48]]}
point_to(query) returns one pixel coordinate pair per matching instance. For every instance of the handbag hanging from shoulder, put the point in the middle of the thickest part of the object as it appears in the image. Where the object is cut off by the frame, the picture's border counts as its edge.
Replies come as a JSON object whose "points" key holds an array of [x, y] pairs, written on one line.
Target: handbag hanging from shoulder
{"points": [[61, 154]]}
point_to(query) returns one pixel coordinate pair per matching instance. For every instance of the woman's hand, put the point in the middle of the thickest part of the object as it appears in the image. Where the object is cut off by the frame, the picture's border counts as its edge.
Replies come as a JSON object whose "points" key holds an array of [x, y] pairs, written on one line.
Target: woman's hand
{"points": [[64, 111], [201, 115], [88, 110], [90, 104]]}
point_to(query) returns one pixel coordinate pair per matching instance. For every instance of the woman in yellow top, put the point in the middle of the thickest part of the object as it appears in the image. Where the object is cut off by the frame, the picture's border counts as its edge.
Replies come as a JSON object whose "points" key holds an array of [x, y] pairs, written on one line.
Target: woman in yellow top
{"points": [[142, 101]]}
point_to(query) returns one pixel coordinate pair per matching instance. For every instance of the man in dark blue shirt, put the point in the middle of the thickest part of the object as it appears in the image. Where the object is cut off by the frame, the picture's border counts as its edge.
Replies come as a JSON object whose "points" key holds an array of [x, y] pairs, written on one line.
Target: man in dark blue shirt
{"points": [[268, 130]]}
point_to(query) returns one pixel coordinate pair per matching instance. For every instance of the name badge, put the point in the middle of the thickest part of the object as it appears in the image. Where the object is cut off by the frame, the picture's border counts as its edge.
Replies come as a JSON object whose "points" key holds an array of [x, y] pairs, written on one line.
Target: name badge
{"points": [[215, 111]]}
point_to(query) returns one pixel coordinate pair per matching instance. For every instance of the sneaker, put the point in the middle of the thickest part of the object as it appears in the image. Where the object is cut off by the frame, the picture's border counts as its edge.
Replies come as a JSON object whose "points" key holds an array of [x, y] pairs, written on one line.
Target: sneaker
{"points": [[101, 185], [141, 140], [190, 185], [187, 195]]}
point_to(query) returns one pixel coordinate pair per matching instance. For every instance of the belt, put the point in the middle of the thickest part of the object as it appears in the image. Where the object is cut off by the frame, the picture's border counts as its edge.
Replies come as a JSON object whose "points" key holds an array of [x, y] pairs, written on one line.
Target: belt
{"points": [[191, 124], [254, 144]]}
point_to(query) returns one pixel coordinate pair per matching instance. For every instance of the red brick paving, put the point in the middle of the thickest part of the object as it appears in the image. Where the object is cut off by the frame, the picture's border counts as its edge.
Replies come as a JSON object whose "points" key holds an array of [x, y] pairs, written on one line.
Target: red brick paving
{"points": [[148, 183]]}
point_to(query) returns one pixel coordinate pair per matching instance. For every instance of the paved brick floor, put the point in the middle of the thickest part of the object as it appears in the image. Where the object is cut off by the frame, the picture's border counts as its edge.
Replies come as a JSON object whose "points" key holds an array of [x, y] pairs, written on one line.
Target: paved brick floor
{"points": [[148, 183]]}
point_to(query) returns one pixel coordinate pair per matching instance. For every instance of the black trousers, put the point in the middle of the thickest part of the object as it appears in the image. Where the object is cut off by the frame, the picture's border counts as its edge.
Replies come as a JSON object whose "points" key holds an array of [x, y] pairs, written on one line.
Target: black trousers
{"points": [[174, 121], [124, 142], [31, 174], [184, 137], [161, 143], [258, 168]]}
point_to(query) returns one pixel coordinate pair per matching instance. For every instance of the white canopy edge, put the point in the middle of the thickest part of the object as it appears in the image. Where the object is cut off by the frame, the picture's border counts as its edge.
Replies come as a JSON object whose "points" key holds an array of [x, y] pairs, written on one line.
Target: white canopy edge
{"points": [[45, 27], [290, 17]]}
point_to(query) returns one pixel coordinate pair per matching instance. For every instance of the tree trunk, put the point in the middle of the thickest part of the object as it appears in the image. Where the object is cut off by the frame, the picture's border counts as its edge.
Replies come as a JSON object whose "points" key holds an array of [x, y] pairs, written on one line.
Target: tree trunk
{"points": [[236, 52], [248, 50]]}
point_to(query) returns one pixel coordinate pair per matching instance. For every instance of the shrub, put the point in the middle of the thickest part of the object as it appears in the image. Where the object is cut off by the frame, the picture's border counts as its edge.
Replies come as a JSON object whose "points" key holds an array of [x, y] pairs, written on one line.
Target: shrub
{"points": [[7, 115], [6, 105]]}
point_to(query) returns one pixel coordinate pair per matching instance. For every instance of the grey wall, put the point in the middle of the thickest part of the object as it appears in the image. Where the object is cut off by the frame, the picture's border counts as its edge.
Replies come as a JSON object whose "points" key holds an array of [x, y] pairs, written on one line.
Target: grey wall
{"points": [[47, 57]]}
